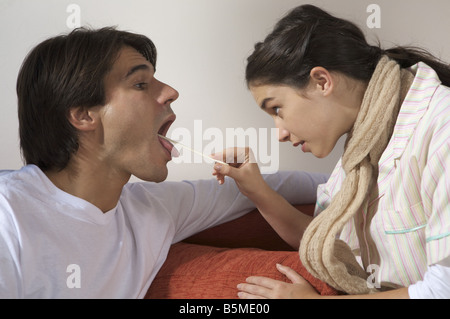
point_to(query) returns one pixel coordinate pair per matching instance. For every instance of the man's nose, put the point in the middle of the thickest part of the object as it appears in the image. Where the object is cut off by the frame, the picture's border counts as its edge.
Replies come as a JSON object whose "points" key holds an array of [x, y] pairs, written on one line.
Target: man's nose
{"points": [[168, 94]]}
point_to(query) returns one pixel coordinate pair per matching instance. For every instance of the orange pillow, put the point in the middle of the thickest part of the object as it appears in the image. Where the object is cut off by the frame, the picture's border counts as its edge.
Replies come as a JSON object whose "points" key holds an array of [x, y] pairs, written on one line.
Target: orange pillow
{"points": [[204, 272]]}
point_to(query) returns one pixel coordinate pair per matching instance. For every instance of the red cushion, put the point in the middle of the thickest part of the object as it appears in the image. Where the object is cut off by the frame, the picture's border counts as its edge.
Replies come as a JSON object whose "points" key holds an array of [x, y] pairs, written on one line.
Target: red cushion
{"points": [[204, 272], [248, 231]]}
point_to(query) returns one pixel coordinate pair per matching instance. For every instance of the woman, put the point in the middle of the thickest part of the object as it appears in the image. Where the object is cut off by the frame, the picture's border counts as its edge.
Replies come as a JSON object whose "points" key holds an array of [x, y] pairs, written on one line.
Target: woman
{"points": [[388, 197]]}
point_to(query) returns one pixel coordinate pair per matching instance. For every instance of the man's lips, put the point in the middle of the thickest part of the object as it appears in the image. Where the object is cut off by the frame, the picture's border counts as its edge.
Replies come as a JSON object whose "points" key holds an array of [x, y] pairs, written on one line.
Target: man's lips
{"points": [[169, 147], [166, 125], [163, 131]]}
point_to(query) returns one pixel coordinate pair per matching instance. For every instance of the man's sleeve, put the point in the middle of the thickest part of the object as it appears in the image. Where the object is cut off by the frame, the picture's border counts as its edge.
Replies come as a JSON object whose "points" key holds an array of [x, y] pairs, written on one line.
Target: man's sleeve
{"points": [[10, 278], [213, 204]]}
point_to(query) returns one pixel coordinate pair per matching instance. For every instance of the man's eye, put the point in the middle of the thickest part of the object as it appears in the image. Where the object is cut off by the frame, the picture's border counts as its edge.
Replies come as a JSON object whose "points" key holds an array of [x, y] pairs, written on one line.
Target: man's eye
{"points": [[141, 86]]}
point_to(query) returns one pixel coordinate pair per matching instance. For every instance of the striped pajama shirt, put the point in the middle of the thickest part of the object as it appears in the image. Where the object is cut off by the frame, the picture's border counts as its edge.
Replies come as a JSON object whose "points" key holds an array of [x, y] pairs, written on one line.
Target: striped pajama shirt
{"points": [[408, 219]]}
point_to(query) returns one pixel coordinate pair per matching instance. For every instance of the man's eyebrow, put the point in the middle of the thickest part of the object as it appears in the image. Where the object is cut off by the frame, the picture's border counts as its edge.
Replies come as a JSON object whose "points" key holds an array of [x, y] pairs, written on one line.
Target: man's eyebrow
{"points": [[136, 68], [263, 104]]}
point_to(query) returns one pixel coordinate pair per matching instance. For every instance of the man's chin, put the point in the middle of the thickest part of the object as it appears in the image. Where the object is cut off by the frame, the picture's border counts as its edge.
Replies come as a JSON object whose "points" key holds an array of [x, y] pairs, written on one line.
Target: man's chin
{"points": [[155, 177]]}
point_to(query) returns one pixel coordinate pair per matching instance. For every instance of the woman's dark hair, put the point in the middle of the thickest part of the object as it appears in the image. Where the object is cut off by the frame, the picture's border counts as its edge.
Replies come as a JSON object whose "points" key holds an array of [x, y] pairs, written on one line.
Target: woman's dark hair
{"points": [[61, 73], [308, 37]]}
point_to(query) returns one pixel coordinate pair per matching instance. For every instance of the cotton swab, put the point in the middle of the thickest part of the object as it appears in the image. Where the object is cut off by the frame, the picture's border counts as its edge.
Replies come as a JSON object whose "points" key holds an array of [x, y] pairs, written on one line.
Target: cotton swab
{"points": [[192, 150]]}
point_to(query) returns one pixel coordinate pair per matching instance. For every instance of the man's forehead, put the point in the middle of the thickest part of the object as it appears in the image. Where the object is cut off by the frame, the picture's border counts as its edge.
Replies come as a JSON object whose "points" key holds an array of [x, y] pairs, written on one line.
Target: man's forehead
{"points": [[128, 62], [130, 59]]}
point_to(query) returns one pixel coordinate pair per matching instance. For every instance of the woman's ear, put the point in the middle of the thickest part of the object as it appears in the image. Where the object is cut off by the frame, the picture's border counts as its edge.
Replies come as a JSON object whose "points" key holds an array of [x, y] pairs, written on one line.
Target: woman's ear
{"points": [[83, 118], [322, 80]]}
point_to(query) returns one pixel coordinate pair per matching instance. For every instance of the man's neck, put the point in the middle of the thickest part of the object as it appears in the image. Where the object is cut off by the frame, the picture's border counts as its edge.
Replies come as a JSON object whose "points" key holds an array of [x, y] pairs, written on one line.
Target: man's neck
{"points": [[93, 183]]}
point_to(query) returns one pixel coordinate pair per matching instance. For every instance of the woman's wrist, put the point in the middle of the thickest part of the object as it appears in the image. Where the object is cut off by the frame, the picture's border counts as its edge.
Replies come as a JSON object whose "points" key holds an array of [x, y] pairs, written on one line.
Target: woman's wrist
{"points": [[263, 196]]}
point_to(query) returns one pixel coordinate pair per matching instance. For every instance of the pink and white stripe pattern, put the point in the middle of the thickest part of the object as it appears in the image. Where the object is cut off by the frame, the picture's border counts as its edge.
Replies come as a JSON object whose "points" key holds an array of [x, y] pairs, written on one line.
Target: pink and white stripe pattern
{"points": [[411, 227]]}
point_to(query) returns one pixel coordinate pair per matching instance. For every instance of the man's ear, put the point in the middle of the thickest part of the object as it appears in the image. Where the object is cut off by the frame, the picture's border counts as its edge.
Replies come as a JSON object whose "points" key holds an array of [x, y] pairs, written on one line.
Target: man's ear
{"points": [[83, 118], [322, 80]]}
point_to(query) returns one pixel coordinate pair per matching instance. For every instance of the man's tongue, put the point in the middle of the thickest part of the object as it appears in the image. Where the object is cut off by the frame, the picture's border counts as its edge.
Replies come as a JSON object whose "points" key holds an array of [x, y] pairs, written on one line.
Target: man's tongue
{"points": [[168, 146]]}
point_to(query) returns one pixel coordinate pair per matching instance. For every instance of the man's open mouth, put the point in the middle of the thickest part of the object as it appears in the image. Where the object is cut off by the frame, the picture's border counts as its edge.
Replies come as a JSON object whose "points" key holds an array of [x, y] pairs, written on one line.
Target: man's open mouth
{"points": [[166, 125], [164, 142]]}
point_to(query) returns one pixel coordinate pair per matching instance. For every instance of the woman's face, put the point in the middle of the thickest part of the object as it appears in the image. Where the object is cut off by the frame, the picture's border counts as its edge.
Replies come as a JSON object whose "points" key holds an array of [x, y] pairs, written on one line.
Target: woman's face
{"points": [[315, 117]]}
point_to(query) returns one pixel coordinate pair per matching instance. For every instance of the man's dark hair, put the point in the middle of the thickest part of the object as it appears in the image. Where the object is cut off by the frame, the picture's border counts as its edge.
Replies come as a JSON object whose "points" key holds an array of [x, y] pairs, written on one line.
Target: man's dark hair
{"points": [[60, 73]]}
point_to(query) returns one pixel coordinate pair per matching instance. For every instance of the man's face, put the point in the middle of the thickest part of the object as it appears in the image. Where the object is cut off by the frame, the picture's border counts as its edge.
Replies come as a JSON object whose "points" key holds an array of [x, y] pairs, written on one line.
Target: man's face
{"points": [[137, 110]]}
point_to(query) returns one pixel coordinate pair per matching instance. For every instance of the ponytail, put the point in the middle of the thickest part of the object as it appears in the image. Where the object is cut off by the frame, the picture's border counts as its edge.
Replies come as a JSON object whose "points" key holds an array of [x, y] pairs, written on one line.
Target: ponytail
{"points": [[308, 37], [408, 56]]}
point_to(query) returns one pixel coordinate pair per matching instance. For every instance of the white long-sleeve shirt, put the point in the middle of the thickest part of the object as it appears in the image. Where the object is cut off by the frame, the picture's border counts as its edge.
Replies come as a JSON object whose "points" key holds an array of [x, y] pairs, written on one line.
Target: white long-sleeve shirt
{"points": [[435, 284]]}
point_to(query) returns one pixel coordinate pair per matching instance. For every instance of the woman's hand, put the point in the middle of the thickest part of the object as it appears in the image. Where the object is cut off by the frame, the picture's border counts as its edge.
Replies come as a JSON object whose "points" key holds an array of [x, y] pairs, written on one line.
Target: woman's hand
{"points": [[267, 288], [285, 219], [242, 168]]}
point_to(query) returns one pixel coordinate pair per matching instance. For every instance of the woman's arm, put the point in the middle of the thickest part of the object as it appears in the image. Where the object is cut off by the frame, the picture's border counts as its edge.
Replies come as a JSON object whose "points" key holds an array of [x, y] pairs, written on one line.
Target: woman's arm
{"points": [[285, 219]]}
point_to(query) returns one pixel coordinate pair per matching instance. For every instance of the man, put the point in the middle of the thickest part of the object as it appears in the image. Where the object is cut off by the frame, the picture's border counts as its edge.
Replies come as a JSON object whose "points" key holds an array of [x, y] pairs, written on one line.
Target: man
{"points": [[90, 112]]}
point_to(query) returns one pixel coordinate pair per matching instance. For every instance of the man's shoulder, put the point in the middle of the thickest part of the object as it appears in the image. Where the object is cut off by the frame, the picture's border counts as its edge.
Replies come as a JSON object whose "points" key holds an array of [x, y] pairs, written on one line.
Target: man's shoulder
{"points": [[16, 184], [6, 175], [5, 172], [7, 178]]}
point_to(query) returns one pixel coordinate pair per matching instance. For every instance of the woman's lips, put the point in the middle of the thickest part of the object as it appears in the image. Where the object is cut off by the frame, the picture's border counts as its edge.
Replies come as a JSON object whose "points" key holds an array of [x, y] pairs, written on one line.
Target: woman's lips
{"points": [[302, 143], [304, 150]]}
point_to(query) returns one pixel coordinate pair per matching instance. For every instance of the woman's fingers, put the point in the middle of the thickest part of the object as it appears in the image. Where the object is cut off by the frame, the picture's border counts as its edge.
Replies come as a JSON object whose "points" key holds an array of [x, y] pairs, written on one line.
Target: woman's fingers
{"points": [[235, 156], [291, 274]]}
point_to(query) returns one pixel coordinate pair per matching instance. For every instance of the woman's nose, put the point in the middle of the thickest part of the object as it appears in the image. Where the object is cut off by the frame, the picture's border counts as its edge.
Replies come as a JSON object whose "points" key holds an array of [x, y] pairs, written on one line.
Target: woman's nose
{"points": [[283, 134]]}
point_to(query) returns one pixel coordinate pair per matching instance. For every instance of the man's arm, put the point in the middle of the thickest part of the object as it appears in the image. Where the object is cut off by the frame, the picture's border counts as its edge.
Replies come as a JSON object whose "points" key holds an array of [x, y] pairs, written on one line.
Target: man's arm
{"points": [[10, 281], [204, 203]]}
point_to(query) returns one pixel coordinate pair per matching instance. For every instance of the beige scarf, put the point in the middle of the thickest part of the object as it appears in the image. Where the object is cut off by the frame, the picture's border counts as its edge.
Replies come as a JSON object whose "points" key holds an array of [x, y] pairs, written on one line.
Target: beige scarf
{"points": [[324, 256]]}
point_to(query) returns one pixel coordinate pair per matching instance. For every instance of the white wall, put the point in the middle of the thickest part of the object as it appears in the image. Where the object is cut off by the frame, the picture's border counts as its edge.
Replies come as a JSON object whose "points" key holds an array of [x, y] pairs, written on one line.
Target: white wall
{"points": [[202, 47]]}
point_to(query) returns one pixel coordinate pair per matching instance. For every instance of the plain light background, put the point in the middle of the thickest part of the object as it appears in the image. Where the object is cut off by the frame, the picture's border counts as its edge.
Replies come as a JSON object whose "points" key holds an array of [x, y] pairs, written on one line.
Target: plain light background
{"points": [[202, 50]]}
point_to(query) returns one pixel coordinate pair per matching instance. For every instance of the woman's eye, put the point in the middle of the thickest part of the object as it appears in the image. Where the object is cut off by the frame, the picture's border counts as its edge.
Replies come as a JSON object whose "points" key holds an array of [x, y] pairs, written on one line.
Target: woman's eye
{"points": [[276, 109]]}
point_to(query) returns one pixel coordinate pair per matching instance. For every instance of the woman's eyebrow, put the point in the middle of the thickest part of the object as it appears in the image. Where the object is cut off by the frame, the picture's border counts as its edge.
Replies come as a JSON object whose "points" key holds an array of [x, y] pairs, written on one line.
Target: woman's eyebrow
{"points": [[263, 104]]}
